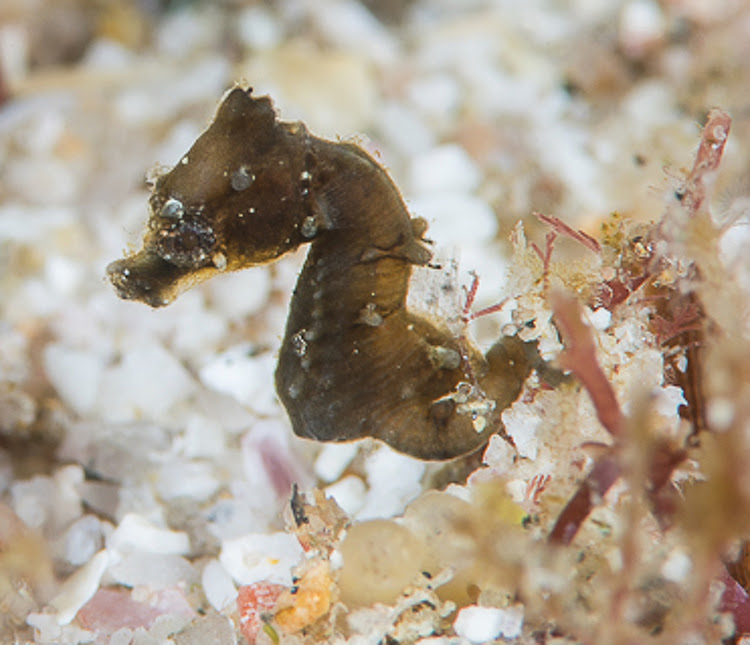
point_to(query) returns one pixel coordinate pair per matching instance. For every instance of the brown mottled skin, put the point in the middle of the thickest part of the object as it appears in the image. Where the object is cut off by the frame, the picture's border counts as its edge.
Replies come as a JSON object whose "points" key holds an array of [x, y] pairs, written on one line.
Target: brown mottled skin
{"points": [[354, 362]]}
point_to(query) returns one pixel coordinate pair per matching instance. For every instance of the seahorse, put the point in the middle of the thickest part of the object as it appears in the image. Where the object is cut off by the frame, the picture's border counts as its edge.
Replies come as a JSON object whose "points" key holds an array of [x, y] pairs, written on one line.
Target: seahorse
{"points": [[354, 362]]}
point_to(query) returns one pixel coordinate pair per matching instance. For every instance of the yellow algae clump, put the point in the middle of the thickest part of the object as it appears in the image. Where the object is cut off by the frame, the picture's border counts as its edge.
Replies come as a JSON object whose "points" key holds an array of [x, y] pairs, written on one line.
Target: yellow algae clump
{"points": [[381, 558]]}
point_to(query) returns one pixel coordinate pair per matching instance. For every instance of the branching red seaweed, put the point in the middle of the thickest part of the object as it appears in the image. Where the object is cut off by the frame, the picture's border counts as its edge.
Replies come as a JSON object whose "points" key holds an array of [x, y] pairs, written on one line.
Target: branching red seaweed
{"points": [[605, 472], [561, 228], [698, 184], [736, 601], [678, 321], [580, 358], [546, 255]]}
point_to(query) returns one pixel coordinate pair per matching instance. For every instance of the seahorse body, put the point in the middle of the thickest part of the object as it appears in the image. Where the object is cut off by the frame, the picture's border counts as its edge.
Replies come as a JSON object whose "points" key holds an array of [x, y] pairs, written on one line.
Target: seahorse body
{"points": [[354, 362]]}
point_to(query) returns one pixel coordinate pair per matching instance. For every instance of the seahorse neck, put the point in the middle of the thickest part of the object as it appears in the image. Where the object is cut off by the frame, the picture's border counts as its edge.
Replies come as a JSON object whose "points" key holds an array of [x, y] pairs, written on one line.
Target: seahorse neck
{"points": [[356, 193], [366, 245]]}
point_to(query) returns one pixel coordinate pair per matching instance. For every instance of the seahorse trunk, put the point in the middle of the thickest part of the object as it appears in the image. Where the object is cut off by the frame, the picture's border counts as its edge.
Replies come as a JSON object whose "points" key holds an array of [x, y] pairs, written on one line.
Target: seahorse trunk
{"points": [[354, 362]]}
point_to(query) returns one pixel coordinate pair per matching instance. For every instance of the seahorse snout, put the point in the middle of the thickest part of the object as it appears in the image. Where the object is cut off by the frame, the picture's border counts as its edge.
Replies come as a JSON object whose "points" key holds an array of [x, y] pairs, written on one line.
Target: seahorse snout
{"points": [[145, 277]]}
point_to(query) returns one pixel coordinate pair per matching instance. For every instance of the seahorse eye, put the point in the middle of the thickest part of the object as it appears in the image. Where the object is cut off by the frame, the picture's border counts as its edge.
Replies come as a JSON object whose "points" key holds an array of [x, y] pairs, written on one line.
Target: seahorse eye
{"points": [[188, 244]]}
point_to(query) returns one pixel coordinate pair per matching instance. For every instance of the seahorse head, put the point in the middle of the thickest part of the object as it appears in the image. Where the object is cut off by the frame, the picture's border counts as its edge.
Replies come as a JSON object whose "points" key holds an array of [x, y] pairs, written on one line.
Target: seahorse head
{"points": [[240, 196]]}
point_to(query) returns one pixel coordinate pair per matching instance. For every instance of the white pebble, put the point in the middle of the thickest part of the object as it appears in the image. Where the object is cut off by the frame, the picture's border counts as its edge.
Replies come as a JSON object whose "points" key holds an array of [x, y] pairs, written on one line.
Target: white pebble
{"points": [[435, 293], [677, 566], [107, 54], [101, 497], [735, 241], [63, 274], [41, 133], [154, 570], [244, 513], [349, 493], [333, 459], [48, 630], [600, 318], [77, 590], [138, 106], [199, 333], [217, 585], [630, 337], [518, 490], [213, 629], [83, 539], [445, 169], [261, 556], [350, 26], [147, 383], [49, 503], [241, 294], [245, 376], [142, 637], [67, 498], [203, 437], [258, 29], [14, 51], [483, 624], [521, 422], [456, 218], [183, 32], [123, 636], [46, 181], [643, 372], [721, 412], [668, 400], [438, 95], [32, 499], [14, 346], [189, 479], [27, 223], [166, 625], [641, 27], [647, 104], [499, 455], [394, 481], [74, 374], [137, 533], [405, 130]]}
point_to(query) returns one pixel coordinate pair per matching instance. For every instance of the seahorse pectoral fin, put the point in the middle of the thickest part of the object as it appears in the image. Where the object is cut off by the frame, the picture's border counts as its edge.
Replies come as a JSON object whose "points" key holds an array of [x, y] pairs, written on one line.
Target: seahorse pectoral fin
{"points": [[416, 253], [413, 251]]}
